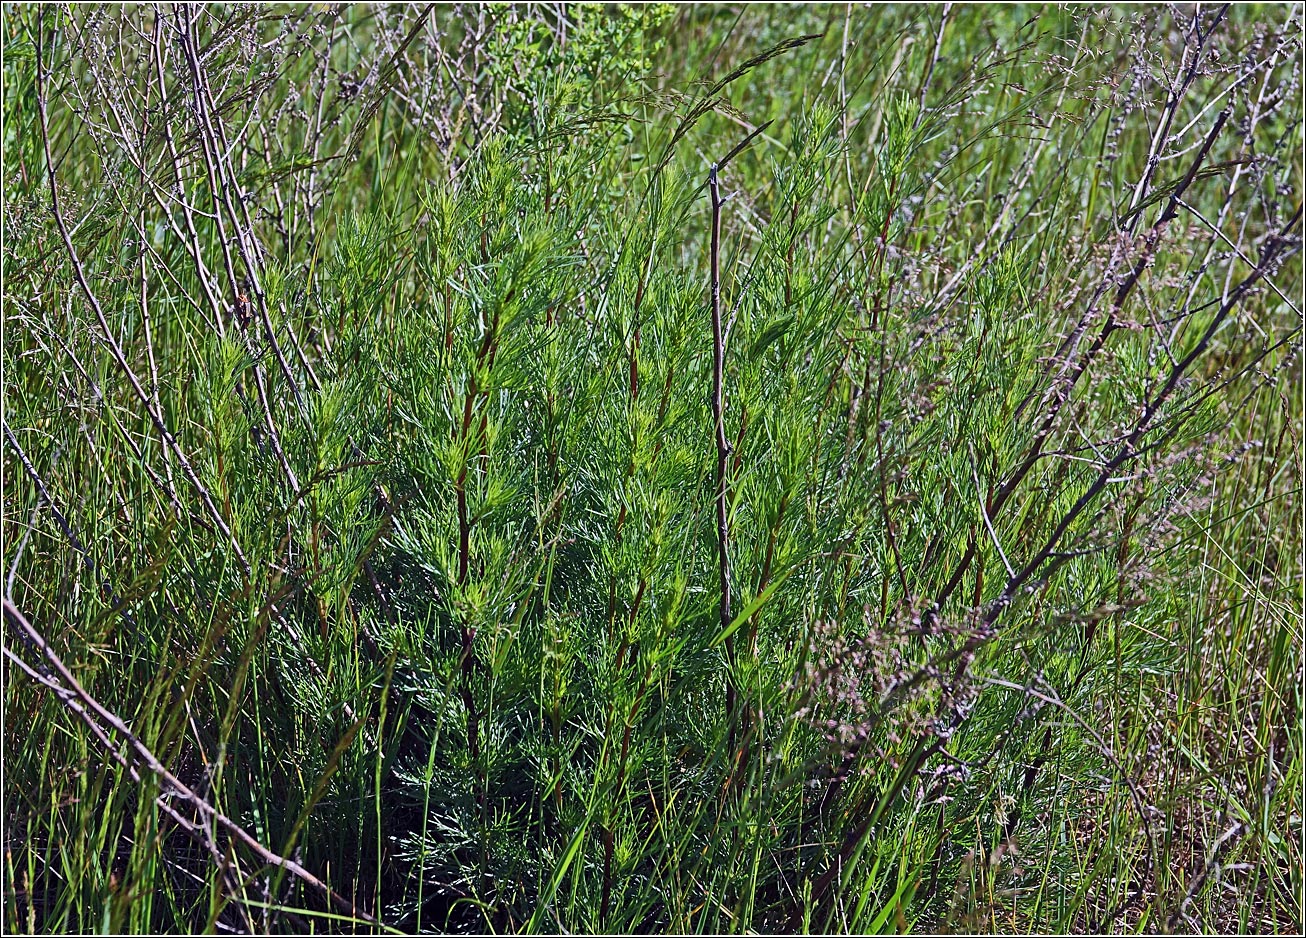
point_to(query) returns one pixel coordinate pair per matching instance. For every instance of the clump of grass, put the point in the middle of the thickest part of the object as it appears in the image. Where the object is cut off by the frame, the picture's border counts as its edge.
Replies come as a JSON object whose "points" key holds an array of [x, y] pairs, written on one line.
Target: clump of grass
{"points": [[507, 468]]}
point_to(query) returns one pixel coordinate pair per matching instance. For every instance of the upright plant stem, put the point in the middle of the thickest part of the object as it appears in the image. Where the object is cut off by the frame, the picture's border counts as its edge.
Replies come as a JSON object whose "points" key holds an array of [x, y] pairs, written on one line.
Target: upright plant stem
{"points": [[722, 444]]}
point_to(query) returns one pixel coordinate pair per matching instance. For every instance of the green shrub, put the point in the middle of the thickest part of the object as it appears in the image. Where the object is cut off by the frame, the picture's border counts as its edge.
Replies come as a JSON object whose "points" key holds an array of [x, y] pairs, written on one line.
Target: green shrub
{"points": [[371, 466]]}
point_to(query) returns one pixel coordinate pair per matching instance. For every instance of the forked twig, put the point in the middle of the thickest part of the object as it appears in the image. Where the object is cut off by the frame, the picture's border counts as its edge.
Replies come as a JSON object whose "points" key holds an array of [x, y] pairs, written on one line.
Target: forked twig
{"points": [[96, 717]]}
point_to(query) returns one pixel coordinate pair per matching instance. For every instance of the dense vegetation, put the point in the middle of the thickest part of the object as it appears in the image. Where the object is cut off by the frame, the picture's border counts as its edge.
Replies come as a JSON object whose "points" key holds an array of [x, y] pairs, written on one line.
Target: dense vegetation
{"points": [[685, 469]]}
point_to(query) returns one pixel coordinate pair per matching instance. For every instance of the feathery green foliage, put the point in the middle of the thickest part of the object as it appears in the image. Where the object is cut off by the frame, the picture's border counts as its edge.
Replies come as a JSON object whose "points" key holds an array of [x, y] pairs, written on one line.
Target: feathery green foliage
{"points": [[364, 454]]}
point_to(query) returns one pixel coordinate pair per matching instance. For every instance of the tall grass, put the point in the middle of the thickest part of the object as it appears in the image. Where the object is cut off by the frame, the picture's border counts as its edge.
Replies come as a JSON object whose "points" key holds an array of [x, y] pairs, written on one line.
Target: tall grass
{"points": [[714, 469]]}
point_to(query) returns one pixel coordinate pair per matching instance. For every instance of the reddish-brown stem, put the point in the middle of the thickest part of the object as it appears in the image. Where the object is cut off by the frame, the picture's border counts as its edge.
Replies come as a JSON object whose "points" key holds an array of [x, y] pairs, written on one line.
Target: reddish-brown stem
{"points": [[722, 443]]}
